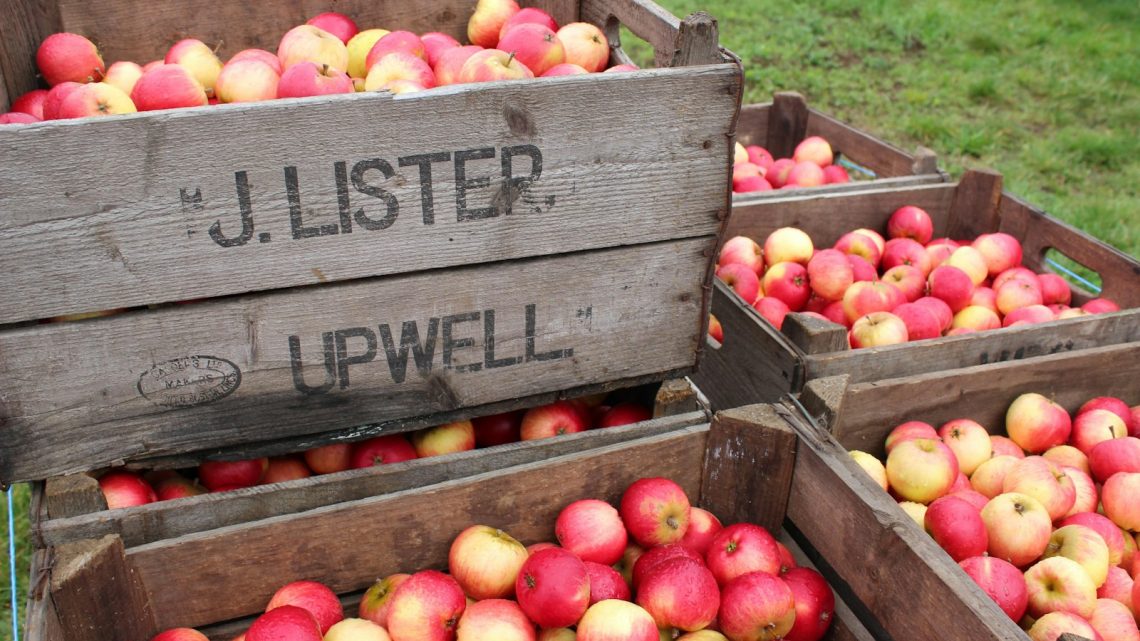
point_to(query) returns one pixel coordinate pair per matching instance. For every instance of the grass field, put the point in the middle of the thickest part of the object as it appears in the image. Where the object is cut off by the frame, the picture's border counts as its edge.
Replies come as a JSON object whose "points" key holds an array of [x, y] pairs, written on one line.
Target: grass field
{"points": [[1047, 92]]}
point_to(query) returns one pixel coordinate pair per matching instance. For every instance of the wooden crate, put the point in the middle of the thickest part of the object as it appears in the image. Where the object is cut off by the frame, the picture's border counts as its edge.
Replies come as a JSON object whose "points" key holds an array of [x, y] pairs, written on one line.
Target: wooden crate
{"points": [[325, 310], [226, 576], [873, 163], [757, 363], [851, 415]]}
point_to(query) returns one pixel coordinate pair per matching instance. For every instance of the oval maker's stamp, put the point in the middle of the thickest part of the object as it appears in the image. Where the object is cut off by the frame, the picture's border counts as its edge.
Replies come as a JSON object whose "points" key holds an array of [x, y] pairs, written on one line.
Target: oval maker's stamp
{"points": [[189, 381]]}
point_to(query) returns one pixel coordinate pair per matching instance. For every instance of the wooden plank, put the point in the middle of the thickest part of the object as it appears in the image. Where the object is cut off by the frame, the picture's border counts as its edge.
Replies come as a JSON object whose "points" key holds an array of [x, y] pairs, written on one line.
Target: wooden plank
{"points": [[26, 23], [860, 147], [953, 352], [871, 543], [136, 232], [238, 370], [814, 336], [227, 573], [845, 625], [97, 596], [72, 495], [674, 397], [697, 42], [787, 123], [826, 216], [984, 393], [41, 621], [975, 209], [754, 364], [748, 467], [1039, 232], [752, 126], [170, 519]]}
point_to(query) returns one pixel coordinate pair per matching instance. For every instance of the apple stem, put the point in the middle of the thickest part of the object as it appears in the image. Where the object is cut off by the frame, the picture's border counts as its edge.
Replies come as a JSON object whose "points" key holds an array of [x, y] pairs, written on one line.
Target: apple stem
{"points": [[510, 58], [672, 522]]}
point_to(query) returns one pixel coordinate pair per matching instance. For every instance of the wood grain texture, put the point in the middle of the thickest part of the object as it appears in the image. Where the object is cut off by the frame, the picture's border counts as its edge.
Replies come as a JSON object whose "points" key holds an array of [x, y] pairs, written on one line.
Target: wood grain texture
{"points": [[748, 467], [754, 364], [787, 123], [845, 625], [72, 495], [975, 209], [97, 595], [814, 336], [171, 519], [131, 240], [983, 393], [41, 621], [84, 395], [697, 41], [233, 571], [892, 567], [1039, 232], [674, 397], [952, 352], [26, 23]]}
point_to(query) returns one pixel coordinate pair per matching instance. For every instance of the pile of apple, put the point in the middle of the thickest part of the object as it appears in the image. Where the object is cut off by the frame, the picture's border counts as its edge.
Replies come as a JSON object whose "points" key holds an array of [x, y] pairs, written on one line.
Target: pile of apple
{"points": [[754, 169], [125, 488], [328, 54], [681, 572], [1045, 520], [905, 287]]}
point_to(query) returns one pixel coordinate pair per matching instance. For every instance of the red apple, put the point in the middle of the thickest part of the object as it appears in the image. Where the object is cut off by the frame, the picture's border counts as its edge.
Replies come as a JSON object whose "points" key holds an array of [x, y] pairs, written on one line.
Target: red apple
{"points": [[908, 431], [267, 57], [1100, 306], [1084, 546], [971, 496], [957, 527], [805, 174], [908, 279], [529, 15], [535, 45], [450, 64], [772, 310], [167, 87], [829, 274], [390, 448], [863, 270], [1016, 294], [326, 459], [645, 561], [940, 308], [1058, 584], [176, 487], [741, 279], [559, 417], [625, 414], [655, 511], [491, 65], [911, 222], [703, 528], [862, 245], [180, 634], [749, 184], [1036, 423], [985, 297], [485, 561], [999, 250], [1017, 527], [95, 99], [1114, 456], [377, 599], [605, 583], [743, 250], [585, 45], [756, 606], [680, 593], [622, 68], [1087, 494], [305, 79], [553, 588], [1001, 581], [716, 330], [1044, 481], [742, 548], [497, 619], [1093, 426], [835, 175], [335, 23], [815, 150], [487, 21], [950, 285], [1051, 626], [125, 489], [122, 74], [1118, 496], [1054, 289], [906, 251], [199, 59], [312, 596], [593, 530], [989, 477], [1117, 586], [759, 156], [216, 474], [920, 320], [777, 173], [1003, 445], [1028, 315], [1113, 621], [865, 297], [32, 102], [69, 57], [815, 604], [1103, 526], [285, 622], [426, 607], [787, 281], [615, 620]]}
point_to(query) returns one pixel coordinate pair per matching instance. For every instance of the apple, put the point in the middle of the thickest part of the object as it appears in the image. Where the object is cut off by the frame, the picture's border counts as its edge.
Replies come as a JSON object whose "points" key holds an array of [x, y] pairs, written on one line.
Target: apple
{"points": [[1114, 456], [197, 58], [805, 174], [788, 244], [815, 150], [872, 466], [535, 45], [703, 528], [497, 619], [1134, 424], [1044, 481], [863, 270], [528, 15], [777, 173], [1100, 306], [985, 297], [246, 473], [69, 57], [862, 245], [829, 273], [773, 310], [1054, 289], [940, 249], [307, 79], [1016, 294], [957, 527], [379, 450], [451, 62], [916, 511], [625, 414], [497, 429], [312, 596], [950, 285], [787, 281], [706, 634], [1084, 546], [906, 251], [487, 21], [559, 417], [616, 620], [180, 634], [645, 561], [485, 561], [1051, 626], [458, 436], [1110, 403], [338, 24], [307, 43], [326, 459], [716, 330], [756, 606], [358, 48], [814, 603], [1000, 251], [759, 155], [1113, 621], [911, 222], [1095, 425], [743, 250], [908, 279], [1118, 496], [878, 329], [605, 583], [970, 261], [1102, 525], [1036, 423], [786, 560], [167, 87], [246, 80], [1017, 527], [125, 489], [1117, 586], [865, 297], [176, 487], [921, 321], [593, 530], [921, 470], [655, 511], [490, 65], [835, 175], [377, 599], [940, 308], [680, 593], [1001, 581], [267, 57], [975, 319], [750, 184], [122, 74], [397, 66], [742, 548], [1087, 495], [1059, 584], [908, 431], [553, 588], [1003, 445], [585, 45], [741, 279], [426, 607], [1028, 315], [356, 630], [285, 622], [95, 99], [971, 496], [833, 312], [32, 102]]}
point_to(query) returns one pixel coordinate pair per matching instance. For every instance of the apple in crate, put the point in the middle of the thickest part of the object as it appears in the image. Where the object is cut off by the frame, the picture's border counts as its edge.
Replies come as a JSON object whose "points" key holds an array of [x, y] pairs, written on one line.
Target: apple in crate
{"points": [[497, 429], [312, 596], [168, 87], [95, 99], [814, 149], [358, 47], [757, 605], [122, 74], [32, 103], [490, 65], [285, 622], [585, 45], [625, 414], [614, 620], [529, 15], [1119, 500], [377, 599], [553, 588], [1058, 584], [743, 250], [1037, 477], [1114, 621], [703, 528], [435, 44], [605, 583], [921, 470], [1114, 456], [645, 561], [1017, 527], [306, 78], [247, 80], [69, 57], [1036, 423], [534, 45], [458, 436], [488, 19], [741, 279], [356, 630], [426, 607], [741, 548], [197, 58], [450, 64], [829, 274], [180, 634], [957, 527], [877, 329], [911, 222], [497, 619], [909, 431], [906, 251], [863, 245], [655, 511], [326, 459], [125, 489], [788, 244], [1093, 426], [815, 604], [1084, 546], [593, 530], [1001, 581], [559, 417], [485, 561], [680, 593], [381, 450], [230, 474], [306, 43], [338, 24]]}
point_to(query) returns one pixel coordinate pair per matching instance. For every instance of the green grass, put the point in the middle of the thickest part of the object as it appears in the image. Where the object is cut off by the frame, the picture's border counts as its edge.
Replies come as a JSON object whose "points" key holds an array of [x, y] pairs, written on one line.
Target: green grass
{"points": [[1047, 92], [20, 510]]}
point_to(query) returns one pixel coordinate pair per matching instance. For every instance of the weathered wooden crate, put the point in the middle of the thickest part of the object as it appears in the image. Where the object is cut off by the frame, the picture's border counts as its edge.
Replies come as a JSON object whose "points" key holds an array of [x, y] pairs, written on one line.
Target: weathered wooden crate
{"points": [[102, 589], [473, 271], [848, 415], [873, 163], [757, 363]]}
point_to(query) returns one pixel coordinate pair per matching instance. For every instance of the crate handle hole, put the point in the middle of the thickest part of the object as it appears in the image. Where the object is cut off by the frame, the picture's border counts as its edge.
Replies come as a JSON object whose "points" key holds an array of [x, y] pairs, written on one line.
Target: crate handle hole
{"points": [[626, 48], [1081, 278]]}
